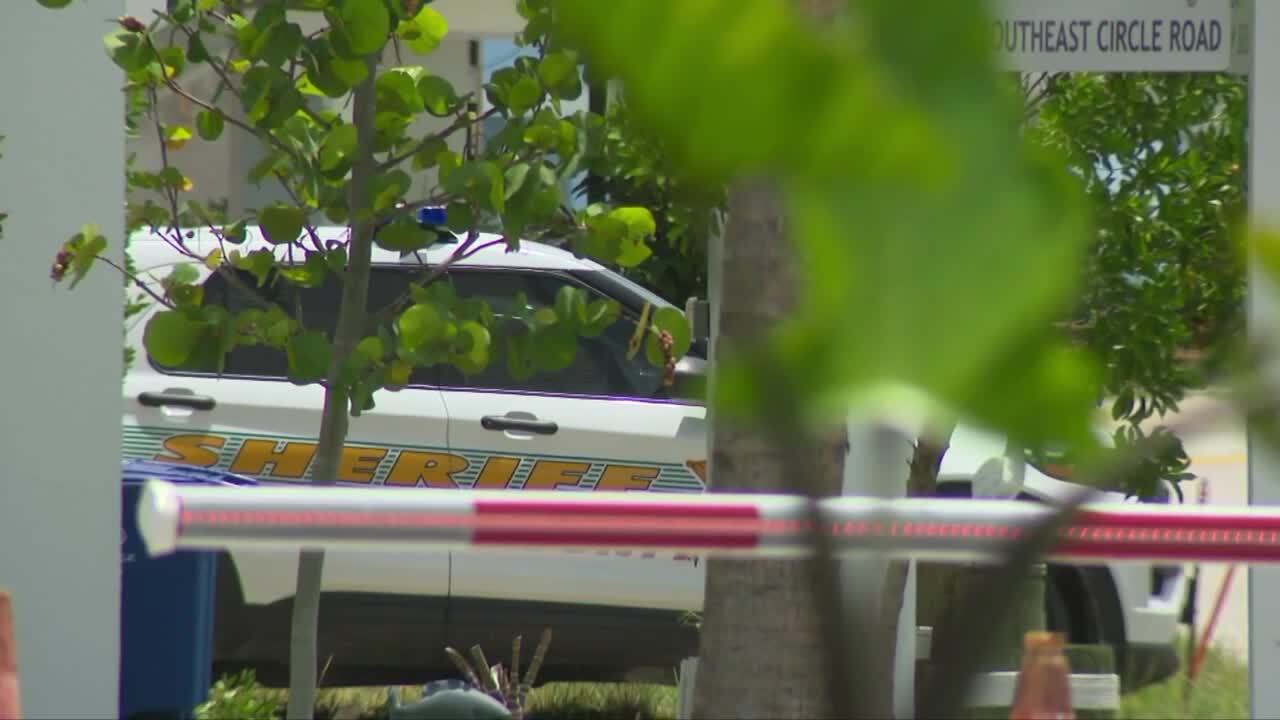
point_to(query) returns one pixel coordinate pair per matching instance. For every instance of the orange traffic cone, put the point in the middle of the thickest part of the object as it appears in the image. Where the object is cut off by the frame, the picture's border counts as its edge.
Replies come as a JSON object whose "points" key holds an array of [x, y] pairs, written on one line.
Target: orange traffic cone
{"points": [[1044, 680], [10, 709]]}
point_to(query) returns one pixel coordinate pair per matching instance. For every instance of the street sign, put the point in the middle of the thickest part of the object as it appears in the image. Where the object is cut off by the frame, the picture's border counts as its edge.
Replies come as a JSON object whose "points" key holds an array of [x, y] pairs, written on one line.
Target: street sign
{"points": [[1122, 35]]}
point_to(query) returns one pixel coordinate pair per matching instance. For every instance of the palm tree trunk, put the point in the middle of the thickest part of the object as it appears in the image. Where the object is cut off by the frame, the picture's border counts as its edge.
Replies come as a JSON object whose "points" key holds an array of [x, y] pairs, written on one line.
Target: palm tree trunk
{"points": [[761, 654], [762, 642]]}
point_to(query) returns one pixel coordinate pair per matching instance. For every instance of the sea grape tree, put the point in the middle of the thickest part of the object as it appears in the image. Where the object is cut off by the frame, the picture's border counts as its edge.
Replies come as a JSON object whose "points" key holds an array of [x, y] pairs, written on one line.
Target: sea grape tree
{"points": [[357, 132]]}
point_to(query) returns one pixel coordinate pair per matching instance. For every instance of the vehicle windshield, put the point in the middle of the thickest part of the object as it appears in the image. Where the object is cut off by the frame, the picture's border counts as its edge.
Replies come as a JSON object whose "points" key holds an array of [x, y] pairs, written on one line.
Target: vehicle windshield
{"points": [[626, 290]]}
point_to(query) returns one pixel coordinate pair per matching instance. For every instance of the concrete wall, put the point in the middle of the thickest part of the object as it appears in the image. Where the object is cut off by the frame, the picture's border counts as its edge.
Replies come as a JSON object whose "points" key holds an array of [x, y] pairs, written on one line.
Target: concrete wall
{"points": [[60, 357]]}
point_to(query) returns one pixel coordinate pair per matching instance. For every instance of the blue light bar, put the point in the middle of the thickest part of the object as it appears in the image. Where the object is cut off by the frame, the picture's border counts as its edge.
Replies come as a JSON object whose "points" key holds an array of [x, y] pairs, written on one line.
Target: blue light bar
{"points": [[432, 216]]}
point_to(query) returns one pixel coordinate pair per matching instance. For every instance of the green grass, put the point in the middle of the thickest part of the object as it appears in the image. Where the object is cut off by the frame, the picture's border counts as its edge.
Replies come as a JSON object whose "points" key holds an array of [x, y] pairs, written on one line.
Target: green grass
{"points": [[553, 701], [1221, 691], [603, 701]]}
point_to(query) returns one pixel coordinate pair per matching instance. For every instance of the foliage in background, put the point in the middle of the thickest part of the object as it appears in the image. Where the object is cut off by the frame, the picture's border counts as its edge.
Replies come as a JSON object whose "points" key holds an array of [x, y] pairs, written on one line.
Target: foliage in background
{"points": [[239, 697], [908, 194], [504, 684], [1163, 285], [345, 124], [312, 153], [908, 187], [1162, 289], [1220, 693], [630, 167]]}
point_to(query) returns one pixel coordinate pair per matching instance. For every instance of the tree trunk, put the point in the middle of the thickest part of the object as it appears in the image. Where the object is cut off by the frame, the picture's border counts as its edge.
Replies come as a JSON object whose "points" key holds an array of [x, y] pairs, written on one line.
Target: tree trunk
{"points": [[352, 316], [761, 654]]}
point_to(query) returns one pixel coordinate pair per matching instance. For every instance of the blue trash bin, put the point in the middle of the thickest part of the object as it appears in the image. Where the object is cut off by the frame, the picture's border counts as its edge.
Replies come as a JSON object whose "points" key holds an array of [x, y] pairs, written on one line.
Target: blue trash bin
{"points": [[167, 607]]}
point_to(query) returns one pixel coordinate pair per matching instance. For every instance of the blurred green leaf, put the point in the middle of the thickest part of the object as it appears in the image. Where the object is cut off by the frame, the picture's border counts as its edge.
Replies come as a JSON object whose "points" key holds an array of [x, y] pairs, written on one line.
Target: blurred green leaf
{"points": [[553, 347], [257, 263], [169, 337], [600, 314], [437, 94], [209, 124], [476, 357], [403, 235], [389, 188], [634, 248], [361, 28], [909, 190], [370, 349], [523, 95], [84, 247], [418, 325], [429, 155], [235, 233], [424, 31], [558, 71], [730, 84], [671, 320], [281, 223], [336, 150], [128, 51], [308, 356], [398, 90], [310, 274]]}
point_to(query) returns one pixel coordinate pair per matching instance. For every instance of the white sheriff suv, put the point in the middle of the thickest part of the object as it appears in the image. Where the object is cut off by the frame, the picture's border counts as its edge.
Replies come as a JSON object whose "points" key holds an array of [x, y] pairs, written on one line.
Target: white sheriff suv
{"points": [[603, 423]]}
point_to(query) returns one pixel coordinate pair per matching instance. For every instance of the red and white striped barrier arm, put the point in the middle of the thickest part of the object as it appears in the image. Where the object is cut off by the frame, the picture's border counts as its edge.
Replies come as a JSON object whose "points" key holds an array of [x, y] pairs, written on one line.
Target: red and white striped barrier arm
{"points": [[173, 517]]}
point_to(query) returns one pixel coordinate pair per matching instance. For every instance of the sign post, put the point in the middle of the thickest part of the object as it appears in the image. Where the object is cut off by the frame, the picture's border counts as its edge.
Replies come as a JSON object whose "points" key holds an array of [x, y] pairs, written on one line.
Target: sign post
{"points": [[1037, 36], [1264, 324]]}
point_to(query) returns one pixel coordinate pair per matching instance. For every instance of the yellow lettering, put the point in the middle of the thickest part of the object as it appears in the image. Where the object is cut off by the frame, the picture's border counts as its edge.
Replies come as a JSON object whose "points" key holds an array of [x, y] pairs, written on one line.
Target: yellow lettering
{"points": [[359, 464], [201, 450], [626, 477], [553, 475], [434, 470], [497, 472], [699, 468], [290, 461]]}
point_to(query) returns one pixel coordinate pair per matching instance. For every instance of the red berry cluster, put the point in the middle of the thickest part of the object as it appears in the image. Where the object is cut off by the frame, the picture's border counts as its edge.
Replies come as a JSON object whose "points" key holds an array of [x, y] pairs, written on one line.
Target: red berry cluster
{"points": [[60, 263], [665, 342]]}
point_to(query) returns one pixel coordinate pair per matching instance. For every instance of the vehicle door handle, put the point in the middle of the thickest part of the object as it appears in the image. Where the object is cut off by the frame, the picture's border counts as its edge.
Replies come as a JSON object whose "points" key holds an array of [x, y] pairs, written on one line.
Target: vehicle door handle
{"points": [[503, 422], [160, 399]]}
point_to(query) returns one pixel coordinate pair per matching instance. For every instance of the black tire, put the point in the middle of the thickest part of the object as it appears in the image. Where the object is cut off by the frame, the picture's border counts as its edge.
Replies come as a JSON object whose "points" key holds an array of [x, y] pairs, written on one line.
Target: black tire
{"points": [[1057, 611], [1072, 607]]}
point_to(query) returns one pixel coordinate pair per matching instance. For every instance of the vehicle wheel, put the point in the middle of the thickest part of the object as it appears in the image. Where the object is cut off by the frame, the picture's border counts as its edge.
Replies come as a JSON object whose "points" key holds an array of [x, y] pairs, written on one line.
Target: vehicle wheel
{"points": [[1057, 614], [1069, 609]]}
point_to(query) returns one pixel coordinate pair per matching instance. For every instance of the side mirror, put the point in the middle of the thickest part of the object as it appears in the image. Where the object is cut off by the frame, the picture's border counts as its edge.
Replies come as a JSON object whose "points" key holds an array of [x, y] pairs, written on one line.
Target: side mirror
{"points": [[699, 314]]}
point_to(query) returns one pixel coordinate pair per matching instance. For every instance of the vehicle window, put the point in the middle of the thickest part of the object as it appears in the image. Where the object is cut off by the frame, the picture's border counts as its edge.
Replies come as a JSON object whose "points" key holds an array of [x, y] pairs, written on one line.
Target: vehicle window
{"points": [[600, 367], [319, 309]]}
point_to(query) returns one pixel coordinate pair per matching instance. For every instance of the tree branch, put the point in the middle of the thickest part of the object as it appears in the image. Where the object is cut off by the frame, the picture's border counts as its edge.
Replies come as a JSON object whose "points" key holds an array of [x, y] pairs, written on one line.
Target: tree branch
{"points": [[427, 277], [462, 121], [137, 281]]}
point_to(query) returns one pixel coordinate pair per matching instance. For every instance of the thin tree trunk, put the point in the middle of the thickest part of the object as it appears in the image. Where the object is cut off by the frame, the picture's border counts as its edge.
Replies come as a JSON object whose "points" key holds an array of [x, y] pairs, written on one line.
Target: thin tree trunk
{"points": [[762, 642], [352, 316]]}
